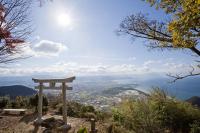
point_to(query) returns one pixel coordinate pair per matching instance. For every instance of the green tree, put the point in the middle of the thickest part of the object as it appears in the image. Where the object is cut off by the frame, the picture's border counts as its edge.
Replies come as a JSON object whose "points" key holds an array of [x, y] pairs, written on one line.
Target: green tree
{"points": [[4, 101], [33, 101], [182, 31], [157, 113]]}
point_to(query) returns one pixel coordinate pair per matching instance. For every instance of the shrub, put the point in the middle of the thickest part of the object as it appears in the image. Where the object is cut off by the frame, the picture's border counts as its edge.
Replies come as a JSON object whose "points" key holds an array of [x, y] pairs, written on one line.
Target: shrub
{"points": [[87, 108], [101, 115], [195, 127], [88, 115], [157, 113], [19, 102], [116, 128], [14, 104], [75, 109], [22, 101], [118, 116], [45, 109], [54, 101], [4, 101], [82, 130], [33, 101]]}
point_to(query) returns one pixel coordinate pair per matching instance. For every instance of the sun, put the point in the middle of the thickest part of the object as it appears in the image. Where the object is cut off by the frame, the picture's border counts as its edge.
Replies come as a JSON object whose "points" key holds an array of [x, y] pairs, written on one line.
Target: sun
{"points": [[64, 20]]}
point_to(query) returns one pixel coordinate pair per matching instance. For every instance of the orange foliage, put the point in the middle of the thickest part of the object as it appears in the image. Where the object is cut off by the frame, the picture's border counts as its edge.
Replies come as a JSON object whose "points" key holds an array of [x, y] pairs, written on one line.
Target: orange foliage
{"points": [[5, 34]]}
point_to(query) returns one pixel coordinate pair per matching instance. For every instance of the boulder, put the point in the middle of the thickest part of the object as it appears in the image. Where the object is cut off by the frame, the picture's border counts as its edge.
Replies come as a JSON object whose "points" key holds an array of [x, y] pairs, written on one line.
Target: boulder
{"points": [[51, 124]]}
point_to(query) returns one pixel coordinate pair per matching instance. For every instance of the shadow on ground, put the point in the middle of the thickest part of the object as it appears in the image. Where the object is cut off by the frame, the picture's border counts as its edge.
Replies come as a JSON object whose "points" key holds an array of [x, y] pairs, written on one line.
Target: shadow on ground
{"points": [[28, 118]]}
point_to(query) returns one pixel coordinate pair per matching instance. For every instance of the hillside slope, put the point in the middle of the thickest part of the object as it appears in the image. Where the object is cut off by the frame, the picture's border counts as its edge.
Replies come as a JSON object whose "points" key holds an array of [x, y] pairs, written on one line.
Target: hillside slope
{"points": [[16, 90], [195, 100]]}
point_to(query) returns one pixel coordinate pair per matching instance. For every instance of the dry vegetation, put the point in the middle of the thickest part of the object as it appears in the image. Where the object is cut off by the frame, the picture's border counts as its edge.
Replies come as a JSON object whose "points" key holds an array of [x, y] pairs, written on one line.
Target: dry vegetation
{"points": [[24, 124], [154, 114], [79, 115]]}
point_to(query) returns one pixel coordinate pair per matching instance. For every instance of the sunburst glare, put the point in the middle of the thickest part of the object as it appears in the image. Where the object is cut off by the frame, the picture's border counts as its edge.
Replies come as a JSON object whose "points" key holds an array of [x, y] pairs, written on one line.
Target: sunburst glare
{"points": [[64, 20]]}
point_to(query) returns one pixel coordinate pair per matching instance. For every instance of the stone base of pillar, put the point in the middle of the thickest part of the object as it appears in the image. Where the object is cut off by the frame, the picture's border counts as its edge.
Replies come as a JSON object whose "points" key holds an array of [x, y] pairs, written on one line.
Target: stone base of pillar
{"points": [[65, 127], [38, 122], [94, 131]]}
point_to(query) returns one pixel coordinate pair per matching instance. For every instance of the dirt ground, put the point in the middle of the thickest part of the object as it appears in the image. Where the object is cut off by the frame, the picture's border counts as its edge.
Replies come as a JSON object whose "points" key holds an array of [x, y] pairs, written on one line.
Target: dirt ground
{"points": [[14, 123]]}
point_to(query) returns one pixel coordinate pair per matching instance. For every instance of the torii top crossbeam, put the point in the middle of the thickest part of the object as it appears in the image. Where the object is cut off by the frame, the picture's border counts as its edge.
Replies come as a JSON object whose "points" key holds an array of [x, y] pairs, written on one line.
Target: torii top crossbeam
{"points": [[66, 80]]}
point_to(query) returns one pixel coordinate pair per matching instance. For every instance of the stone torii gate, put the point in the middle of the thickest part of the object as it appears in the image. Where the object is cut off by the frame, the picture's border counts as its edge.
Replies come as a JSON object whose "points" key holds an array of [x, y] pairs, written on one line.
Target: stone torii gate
{"points": [[52, 85]]}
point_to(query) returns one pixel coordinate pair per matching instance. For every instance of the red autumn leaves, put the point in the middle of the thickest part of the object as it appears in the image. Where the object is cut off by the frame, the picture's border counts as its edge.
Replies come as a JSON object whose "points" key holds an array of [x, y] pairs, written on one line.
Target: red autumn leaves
{"points": [[5, 34]]}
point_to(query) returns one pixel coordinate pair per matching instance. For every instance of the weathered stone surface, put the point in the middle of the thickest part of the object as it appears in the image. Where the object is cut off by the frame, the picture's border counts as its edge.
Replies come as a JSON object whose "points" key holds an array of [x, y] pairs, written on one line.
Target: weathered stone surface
{"points": [[47, 131], [51, 124], [48, 123]]}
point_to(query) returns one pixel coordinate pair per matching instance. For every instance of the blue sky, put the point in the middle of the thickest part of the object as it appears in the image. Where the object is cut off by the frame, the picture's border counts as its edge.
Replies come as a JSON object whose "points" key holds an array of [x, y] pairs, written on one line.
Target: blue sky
{"points": [[89, 44]]}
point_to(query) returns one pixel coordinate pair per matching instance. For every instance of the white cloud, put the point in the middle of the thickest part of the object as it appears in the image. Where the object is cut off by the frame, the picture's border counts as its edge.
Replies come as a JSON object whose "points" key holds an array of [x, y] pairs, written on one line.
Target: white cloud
{"points": [[74, 68], [46, 48], [151, 62], [106, 58], [63, 68]]}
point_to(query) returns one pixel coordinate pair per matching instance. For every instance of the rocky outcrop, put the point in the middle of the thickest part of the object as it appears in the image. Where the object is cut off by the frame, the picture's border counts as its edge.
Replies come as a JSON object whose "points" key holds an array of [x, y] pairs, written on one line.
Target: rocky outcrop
{"points": [[51, 124], [195, 100]]}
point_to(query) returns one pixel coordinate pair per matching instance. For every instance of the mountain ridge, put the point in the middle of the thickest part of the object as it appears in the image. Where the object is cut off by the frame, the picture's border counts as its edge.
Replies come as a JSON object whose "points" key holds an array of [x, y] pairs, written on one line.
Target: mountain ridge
{"points": [[16, 90]]}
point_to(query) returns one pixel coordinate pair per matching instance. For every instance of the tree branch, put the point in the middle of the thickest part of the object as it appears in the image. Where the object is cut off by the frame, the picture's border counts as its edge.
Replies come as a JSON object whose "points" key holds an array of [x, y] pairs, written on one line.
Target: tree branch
{"points": [[179, 76], [195, 50], [141, 27], [15, 26]]}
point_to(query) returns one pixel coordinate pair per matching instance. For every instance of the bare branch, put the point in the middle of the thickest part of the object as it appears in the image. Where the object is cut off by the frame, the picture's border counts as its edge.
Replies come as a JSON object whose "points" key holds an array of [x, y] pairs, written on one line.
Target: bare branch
{"points": [[15, 28], [179, 76]]}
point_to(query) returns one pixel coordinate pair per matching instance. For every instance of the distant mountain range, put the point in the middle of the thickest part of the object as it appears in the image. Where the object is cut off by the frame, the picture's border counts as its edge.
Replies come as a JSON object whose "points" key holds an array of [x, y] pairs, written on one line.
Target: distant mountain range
{"points": [[182, 89], [20, 90], [16, 90]]}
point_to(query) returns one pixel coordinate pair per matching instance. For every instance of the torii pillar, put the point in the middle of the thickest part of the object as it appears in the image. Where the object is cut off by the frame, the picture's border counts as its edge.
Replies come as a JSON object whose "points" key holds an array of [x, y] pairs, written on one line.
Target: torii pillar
{"points": [[52, 83], [64, 103], [40, 101]]}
